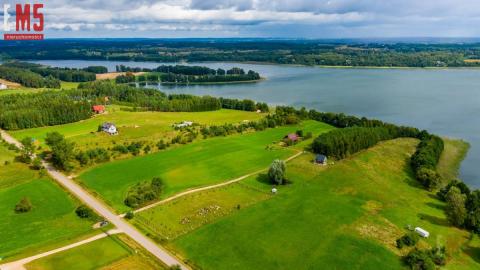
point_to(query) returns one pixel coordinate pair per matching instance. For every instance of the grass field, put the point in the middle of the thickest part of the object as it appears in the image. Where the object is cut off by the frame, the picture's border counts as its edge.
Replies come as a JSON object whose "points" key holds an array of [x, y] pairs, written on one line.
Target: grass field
{"points": [[117, 252], [192, 211], [197, 164], [452, 157], [89, 256], [52, 218], [343, 216], [148, 126]]}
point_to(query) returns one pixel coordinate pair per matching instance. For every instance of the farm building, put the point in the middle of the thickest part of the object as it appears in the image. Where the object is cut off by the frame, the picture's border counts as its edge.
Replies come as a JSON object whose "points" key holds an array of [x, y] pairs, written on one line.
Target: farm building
{"points": [[109, 128], [422, 232], [3, 86], [321, 159], [292, 137], [183, 124], [98, 109]]}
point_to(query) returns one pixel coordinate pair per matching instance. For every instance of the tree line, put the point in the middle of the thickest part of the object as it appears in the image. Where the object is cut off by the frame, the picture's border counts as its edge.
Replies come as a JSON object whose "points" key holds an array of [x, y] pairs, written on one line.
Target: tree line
{"points": [[28, 78], [360, 133], [20, 111], [63, 74]]}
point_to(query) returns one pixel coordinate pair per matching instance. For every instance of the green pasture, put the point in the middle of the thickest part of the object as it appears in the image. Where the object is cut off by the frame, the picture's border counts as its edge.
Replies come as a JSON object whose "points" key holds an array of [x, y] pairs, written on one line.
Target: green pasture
{"points": [[197, 164], [52, 218], [346, 215], [134, 126]]}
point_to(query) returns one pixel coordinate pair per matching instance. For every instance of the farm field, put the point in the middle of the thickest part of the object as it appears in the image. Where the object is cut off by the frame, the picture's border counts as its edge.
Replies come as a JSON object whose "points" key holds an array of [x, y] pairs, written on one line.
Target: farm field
{"points": [[352, 211], [51, 220], [148, 126], [113, 252], [172, 219], [197, 164]]}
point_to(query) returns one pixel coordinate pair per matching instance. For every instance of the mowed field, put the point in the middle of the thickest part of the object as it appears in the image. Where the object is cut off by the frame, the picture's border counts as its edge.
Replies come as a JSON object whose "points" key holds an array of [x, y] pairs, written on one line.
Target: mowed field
{"points": [[343, 216], [134, 126], [112, 253], [197, 164], [51, 220]]}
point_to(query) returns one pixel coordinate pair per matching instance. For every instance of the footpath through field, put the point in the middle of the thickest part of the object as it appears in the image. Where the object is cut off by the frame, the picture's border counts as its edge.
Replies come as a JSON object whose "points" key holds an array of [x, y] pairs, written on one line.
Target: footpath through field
{"points": [[104, 211], [181, 194], [19, 265]]}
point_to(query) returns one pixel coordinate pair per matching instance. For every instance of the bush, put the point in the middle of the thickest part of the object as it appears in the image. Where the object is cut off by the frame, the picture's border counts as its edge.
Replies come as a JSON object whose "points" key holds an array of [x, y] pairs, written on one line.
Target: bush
{"points": [[429, 178], [23, 206], [129, 215], [425, 259], [409, 239], [143, 193], [84, 212], [37, 164]]}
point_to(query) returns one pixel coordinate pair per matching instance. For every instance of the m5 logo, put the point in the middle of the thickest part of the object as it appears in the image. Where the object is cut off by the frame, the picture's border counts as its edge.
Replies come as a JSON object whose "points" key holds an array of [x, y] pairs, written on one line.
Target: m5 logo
{"points": [[27, 18]]}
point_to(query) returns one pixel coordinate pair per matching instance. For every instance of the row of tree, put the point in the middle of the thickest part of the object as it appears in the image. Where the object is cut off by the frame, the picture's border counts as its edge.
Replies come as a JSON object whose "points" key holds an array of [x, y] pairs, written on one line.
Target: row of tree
{"points": [[28, 78], [462, 205], [63, 74], [425, 159], [19, 111], [340, 145], [186, 79]]}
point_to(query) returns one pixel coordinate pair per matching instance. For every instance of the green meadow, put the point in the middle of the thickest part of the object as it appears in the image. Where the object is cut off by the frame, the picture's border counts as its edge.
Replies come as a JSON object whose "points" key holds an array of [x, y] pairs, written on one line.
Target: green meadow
{"points": [[115, 252], [93, 255], [201, 163], [346, 215], [133, 126], [51, 220]]}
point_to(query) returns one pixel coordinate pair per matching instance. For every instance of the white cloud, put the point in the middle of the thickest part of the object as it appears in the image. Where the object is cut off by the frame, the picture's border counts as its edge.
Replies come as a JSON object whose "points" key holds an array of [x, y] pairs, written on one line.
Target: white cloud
{"points": [[303, 18]]}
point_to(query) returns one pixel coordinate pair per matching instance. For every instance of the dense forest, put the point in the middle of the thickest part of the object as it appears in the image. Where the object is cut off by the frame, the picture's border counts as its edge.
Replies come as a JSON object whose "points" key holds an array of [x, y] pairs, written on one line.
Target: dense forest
{"points": [[28, 78], [304, 52], [63, 74]]}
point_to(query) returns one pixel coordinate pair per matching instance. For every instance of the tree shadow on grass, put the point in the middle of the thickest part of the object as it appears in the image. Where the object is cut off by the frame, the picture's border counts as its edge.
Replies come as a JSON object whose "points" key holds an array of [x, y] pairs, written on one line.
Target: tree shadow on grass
{"points": [[434, 220], [473, 252], [436, 205], [263, 178]]}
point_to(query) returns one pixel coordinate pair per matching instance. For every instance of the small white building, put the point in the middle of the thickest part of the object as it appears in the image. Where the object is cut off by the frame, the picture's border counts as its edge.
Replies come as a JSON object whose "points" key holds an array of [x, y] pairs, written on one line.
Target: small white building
{"points": [[3, 86], [109, 128], [183, 124], [423, 233]]}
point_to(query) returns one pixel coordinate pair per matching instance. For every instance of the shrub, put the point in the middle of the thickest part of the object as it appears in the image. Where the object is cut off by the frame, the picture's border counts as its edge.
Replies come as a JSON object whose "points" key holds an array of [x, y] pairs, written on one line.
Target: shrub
{"points": [[23, 206], [409, 239], [144, 192], [429, 178], [129, 215], [84, 212], [37, 164]]}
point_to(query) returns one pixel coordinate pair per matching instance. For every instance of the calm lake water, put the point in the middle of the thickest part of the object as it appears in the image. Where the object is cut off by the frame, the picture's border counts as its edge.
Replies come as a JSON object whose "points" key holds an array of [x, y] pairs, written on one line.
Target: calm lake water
{"points": [[443, 101]]}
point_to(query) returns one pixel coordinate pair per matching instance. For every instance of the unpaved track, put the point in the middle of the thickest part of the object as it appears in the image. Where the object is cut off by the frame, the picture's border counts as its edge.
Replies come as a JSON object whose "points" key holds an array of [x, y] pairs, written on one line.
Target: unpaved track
{"points": [[104, 211], [20, 264]]}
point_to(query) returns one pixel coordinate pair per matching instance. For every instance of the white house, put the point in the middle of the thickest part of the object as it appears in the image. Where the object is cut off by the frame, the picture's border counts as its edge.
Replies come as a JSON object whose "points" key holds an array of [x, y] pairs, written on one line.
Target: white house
{"points": [[109, 128], [183, 124], [422, 232], [3, 86]]}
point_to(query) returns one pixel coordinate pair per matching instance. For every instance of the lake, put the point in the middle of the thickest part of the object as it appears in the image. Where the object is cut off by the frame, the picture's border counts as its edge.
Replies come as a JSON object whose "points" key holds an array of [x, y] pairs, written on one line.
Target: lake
{"points": [[443, 101]]}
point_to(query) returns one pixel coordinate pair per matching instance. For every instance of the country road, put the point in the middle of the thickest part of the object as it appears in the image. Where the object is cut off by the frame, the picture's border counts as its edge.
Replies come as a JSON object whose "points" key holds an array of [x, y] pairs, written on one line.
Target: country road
{"points": [[104, 211]]}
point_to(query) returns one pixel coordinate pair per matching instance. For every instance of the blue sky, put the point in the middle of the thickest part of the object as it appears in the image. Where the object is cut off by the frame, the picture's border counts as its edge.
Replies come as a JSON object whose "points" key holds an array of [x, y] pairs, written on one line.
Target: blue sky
{"points": [[259, 18]]}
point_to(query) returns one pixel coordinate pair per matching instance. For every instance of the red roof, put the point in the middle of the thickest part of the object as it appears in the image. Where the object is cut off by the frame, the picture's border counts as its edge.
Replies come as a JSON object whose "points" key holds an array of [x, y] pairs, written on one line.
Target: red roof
{"points": [[98, 108], [293, 136]]}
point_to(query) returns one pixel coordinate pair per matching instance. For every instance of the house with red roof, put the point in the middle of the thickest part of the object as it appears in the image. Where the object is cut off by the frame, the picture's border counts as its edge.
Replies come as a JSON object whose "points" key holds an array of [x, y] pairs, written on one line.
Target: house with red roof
{"points": [[98, 109]]}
